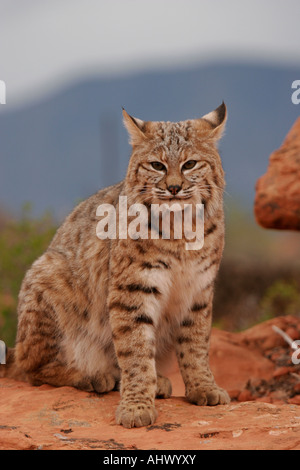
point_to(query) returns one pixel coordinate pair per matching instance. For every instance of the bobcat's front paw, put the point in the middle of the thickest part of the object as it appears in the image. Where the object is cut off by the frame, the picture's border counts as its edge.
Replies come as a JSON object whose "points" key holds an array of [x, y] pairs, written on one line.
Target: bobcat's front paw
{"points": [[135, 415], [210, 395]]}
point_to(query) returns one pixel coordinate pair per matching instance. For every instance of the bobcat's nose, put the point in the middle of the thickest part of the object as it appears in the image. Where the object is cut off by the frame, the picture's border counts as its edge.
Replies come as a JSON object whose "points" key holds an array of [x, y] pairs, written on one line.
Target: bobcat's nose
{"points": [[174, 189]]}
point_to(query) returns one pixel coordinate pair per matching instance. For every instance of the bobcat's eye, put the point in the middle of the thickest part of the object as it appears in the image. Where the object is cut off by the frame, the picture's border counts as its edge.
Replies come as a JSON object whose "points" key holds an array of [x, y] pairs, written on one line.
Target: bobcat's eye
{"points": [[158, 166], [189, 165]]}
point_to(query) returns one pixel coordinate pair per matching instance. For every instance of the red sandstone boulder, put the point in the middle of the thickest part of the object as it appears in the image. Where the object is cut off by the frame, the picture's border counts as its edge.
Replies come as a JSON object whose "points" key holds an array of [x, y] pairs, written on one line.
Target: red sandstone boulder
{"points": [[277, 201], [264, 412]]}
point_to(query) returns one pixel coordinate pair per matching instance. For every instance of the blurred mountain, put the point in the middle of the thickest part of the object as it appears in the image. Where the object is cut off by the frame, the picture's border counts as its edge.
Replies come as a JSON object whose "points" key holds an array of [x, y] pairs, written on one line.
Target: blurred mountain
{"points": [[66, 146]]}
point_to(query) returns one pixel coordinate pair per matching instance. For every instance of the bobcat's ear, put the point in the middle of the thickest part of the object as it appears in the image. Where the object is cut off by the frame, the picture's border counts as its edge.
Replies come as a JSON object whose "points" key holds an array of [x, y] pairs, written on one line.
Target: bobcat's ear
{"points": [[135, 127], [216, 120]]}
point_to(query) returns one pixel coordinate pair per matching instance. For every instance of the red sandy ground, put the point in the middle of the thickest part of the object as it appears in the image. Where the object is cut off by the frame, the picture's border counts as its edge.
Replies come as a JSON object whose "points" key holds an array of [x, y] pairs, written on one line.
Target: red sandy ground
{"points": [[254, 366]]}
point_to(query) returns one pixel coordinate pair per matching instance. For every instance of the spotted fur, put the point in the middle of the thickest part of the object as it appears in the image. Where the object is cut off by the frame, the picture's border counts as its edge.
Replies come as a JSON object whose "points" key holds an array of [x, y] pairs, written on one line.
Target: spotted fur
{"points": [[98, 314]]}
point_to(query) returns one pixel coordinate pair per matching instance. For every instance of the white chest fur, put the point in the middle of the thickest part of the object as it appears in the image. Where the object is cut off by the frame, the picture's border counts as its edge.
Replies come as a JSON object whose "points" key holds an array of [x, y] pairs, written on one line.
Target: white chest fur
{"points": [[183, 289]]}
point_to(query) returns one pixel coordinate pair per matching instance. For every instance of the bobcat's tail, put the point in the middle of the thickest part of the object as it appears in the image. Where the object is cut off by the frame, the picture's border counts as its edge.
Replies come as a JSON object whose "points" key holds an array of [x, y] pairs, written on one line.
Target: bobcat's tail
{"points": [[10, 369]]}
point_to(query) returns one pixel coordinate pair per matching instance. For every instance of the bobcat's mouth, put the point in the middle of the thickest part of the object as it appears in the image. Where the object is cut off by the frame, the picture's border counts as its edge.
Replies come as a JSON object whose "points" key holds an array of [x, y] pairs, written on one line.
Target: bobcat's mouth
{"points": [[178, 197]]}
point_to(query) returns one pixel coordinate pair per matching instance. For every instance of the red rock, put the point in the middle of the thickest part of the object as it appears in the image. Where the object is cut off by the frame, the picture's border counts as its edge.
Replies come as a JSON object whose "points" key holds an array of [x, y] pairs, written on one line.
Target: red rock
{"points": [[245, 395], [262, 336], [295, 400], [65, 418], [274, 356], [277, 401], [68, 419], [233, 362], [273, 341], [255, 382], [297, 388], [283, 371], [293, 333], [278, 396], [234, 394], [277, 200], [266, 399]]}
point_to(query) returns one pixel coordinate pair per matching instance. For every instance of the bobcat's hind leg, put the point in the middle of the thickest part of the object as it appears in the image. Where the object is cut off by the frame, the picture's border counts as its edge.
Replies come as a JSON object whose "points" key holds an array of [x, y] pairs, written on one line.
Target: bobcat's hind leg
{"points": [[59, 375], [103, 383], [52, 313], [39, 353]]}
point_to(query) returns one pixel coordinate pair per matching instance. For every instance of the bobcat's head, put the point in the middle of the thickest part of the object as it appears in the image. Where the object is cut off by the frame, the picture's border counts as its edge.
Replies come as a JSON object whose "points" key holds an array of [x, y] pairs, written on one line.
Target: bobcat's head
{"points": [[176, 162]]}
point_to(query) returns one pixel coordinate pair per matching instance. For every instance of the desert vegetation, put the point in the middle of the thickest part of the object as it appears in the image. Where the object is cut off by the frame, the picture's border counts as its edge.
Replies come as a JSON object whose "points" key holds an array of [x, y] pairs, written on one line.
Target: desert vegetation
{"points": [[22, 240]]}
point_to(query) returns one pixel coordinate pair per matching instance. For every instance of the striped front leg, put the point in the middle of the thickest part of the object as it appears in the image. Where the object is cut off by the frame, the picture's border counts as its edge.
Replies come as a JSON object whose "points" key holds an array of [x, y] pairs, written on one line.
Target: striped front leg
{"points": [[133, 327], [192, 346]]}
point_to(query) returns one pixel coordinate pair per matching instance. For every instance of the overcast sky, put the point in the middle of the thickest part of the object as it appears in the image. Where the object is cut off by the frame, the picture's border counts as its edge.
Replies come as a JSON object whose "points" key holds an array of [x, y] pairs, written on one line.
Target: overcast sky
{"points": [[44, 43]]}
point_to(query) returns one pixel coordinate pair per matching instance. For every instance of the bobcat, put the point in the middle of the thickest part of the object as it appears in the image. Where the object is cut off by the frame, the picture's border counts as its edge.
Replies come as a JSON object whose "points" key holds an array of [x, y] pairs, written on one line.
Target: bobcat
{"points": [[102, 314]]}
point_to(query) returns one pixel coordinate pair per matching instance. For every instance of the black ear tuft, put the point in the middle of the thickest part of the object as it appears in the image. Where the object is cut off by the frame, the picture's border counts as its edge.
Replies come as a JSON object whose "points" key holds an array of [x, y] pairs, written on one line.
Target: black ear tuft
{"points": [[217, 120]]}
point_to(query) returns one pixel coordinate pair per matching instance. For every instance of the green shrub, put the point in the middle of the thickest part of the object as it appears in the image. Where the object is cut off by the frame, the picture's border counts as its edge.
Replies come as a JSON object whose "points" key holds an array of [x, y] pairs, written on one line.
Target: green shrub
{"points": [[22, 241], [281, 298]]}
